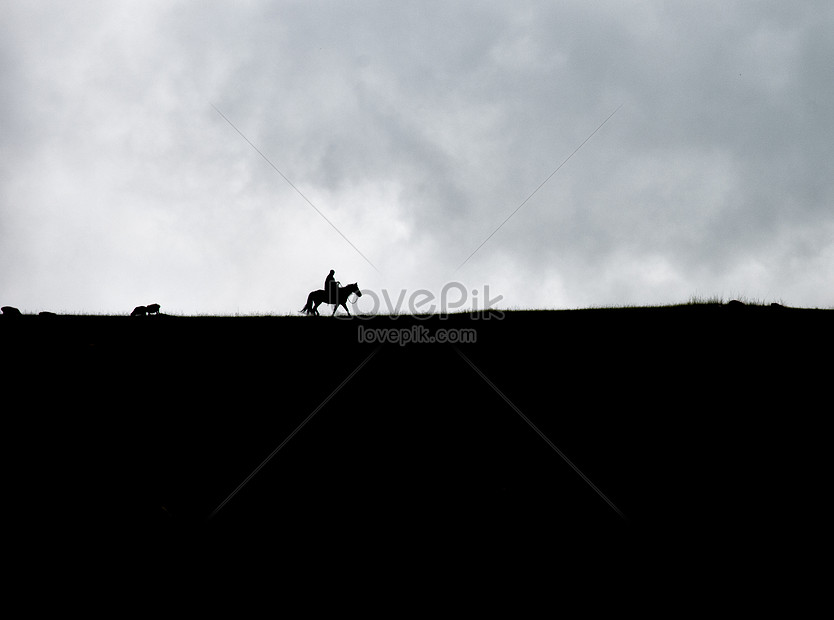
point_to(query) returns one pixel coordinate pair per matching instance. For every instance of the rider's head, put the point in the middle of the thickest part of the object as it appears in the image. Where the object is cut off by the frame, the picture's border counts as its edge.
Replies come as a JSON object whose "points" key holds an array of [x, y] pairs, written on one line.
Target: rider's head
{"points": [[332, 271]]}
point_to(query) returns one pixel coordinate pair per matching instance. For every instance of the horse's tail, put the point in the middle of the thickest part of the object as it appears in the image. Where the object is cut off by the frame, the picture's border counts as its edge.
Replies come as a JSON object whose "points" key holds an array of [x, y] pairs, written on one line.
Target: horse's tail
{"points": [[308, 308]]}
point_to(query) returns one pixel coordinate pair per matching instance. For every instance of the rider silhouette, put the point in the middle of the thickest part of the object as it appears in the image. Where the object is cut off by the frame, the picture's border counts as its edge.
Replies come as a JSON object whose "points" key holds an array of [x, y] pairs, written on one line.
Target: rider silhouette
{"points": [[330, 285]]}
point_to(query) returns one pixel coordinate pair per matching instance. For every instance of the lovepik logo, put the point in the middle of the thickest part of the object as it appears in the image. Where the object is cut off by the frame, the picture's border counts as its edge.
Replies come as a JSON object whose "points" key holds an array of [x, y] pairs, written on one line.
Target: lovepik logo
{"points": [[423, 303]]}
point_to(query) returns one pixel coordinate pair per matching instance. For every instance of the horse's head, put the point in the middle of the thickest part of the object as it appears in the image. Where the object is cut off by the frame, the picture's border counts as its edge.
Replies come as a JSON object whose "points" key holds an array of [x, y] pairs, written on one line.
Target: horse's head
{"points": [[353, 289]]}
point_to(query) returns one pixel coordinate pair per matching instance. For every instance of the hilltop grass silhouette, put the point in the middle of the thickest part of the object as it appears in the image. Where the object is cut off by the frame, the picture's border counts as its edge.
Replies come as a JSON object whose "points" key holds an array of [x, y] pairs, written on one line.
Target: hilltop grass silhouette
{"points": [[684, 421]]}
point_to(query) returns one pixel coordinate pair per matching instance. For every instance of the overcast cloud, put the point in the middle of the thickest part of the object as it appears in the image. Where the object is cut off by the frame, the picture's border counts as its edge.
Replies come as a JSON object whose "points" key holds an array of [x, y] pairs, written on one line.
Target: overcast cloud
{"points": [[416, 128]]}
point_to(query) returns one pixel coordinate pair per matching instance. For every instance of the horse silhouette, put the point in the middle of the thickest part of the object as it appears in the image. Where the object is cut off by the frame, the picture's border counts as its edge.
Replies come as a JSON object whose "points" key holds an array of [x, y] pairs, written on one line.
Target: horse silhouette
{"points": [[316, 298]]}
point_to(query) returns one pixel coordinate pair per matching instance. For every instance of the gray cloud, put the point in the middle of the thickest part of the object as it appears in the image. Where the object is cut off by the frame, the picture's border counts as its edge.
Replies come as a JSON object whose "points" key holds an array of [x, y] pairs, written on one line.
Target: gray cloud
{"points": [[416, 128]]}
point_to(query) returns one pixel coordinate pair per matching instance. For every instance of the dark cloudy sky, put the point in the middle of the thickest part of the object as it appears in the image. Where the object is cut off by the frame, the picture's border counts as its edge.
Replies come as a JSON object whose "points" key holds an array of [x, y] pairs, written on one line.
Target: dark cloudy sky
{"points": [[415, 128]]}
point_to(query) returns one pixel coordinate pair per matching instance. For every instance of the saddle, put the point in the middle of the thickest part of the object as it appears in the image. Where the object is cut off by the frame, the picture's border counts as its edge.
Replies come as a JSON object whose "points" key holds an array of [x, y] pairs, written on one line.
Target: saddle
{"points": [[333, 292]]}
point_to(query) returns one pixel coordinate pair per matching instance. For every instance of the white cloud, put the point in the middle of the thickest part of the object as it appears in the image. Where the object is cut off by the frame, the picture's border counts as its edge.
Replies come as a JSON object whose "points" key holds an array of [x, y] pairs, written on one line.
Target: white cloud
{"points": [[416, 129]]}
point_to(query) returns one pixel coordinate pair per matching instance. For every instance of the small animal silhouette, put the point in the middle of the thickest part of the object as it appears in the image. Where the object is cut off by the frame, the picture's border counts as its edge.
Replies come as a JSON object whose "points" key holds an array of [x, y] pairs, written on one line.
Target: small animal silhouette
{"points": [[152, 308], [139, 311], [10, 311]]}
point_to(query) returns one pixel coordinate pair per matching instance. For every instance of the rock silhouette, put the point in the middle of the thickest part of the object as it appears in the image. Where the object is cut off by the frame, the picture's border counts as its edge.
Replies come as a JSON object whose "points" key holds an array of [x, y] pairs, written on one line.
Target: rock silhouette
{"points": [[10, 311]]}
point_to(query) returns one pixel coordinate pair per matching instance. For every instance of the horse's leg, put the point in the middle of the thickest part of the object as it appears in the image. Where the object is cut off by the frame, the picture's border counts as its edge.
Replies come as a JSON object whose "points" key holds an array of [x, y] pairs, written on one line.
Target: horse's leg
{"points": [[344, 305]]}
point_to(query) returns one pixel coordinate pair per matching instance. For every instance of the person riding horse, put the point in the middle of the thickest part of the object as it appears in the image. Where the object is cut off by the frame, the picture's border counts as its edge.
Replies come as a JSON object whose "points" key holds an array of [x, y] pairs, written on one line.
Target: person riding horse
{"points": [[333, 293], [331, 286]]}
